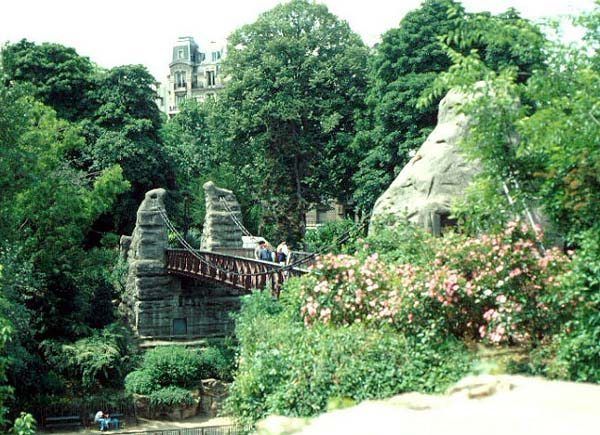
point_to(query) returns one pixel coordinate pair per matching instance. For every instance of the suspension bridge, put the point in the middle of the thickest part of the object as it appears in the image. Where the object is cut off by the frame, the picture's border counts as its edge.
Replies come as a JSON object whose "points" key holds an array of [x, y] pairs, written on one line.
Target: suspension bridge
{"points": [[175, 292], [241, 272]]}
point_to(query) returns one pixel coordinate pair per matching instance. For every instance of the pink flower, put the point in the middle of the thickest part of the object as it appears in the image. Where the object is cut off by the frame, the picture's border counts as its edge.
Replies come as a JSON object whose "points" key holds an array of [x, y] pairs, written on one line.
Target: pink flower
{"points": [[515, 272]]}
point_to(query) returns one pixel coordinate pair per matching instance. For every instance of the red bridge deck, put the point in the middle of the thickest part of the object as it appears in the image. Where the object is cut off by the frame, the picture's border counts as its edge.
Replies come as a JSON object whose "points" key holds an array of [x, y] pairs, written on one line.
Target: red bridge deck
{"points": [[240, 272]]}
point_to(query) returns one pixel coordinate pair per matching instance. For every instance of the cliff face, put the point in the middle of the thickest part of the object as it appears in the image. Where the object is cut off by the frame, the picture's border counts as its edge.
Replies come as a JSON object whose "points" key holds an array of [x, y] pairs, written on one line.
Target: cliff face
{"points": [[437, 174]]}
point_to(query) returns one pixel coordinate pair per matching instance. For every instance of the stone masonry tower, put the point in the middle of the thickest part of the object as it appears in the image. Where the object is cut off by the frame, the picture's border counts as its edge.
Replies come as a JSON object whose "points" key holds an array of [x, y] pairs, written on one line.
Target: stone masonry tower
{"points": [[220, 229], [147, 278]]}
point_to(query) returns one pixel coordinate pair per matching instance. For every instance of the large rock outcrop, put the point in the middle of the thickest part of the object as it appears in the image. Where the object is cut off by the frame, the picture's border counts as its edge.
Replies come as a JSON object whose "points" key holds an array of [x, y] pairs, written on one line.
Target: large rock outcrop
{"points": [[437, 174], [220, 229], [494, 405]]}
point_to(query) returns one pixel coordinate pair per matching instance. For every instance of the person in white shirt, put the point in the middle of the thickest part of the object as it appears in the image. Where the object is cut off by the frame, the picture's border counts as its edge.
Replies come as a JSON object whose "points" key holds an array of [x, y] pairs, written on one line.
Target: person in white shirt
{"points": [[101, 418], [283, 253]]}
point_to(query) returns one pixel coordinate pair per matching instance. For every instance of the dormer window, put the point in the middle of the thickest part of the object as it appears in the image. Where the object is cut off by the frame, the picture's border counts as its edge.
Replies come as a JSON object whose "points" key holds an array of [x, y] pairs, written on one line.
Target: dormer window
{"points": [[180, 54]]}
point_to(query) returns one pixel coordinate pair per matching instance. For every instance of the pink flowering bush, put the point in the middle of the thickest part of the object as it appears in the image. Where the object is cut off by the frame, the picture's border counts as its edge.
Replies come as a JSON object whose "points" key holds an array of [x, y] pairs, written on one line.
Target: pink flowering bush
{"points": [[345, 290], [497, 288]]}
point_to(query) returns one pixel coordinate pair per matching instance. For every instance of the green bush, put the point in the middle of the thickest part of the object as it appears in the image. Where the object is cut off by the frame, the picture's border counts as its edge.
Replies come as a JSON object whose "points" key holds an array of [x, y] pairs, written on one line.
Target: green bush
{"points": [[214, 364], [171, 396], [173, 365], [287, 368], [140, 382], [178, 366], [100, 360], [164, 367], [574, 353], [496, 287], [397, 241]]}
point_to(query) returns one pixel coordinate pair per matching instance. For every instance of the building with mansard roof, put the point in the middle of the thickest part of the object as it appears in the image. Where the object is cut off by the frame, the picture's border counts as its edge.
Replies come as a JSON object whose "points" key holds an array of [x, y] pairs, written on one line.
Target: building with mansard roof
{"points": [[195, 73]]}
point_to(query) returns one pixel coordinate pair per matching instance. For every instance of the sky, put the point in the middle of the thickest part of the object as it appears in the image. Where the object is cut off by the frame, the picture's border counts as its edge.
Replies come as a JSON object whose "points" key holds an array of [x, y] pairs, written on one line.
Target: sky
{"points": [[118, 32]]}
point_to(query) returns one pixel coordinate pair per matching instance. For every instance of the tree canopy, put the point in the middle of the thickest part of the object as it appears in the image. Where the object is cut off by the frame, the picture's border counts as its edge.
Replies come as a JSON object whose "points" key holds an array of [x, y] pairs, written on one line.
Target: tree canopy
{"points": [[296, 82]]}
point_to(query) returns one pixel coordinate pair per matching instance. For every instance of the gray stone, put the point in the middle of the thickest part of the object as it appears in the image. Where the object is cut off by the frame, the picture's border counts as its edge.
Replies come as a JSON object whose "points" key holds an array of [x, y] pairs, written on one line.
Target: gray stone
{"points": [[494, 405], [147, 276], [220, 230], [438, 173], [213, 394], [154, 301]]}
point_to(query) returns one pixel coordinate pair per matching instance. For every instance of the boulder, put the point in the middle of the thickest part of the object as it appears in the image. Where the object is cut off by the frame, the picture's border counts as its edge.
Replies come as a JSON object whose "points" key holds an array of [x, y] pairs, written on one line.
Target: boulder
{"points": [[213, 394], [494, 405], [435, 176]]}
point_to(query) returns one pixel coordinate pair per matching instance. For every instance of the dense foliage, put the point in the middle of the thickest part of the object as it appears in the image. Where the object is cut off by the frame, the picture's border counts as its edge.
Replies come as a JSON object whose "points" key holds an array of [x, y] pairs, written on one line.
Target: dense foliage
{"points": [[497, 287], [288, 369], [308, 114], [296, 83], [407, 62], [167, 374]]}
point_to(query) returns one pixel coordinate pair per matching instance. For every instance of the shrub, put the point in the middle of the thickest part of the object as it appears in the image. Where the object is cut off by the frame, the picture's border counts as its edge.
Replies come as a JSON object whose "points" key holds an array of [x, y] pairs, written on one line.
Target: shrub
{"points": [[287, 368], [214, 364], [99, 360], [173, 365], [574, 353], [397, 241], [498, 287], [140, 382], [171, 396], [178, 366]]}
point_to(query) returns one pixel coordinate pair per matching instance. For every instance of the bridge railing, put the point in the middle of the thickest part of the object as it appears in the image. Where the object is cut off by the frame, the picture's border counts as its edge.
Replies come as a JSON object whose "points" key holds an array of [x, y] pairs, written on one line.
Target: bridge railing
{"points": [[240, 272], [307, 258]]}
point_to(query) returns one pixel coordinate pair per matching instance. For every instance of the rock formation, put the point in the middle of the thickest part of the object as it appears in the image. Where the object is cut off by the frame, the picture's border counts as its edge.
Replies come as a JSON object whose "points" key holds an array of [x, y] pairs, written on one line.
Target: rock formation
{"points": [[147, 278], [494, 405], [220, 229], [436, 175]]}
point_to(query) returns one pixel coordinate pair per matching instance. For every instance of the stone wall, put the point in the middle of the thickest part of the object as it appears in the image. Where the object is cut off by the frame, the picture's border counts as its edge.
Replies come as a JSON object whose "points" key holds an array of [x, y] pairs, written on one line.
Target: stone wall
{"points": [[148, 283], [220, 231]]}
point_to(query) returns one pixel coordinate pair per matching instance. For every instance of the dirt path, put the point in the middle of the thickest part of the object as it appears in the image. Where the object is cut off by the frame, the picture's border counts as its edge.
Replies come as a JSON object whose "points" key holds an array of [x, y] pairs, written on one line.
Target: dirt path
{"points": [[150, 425]]}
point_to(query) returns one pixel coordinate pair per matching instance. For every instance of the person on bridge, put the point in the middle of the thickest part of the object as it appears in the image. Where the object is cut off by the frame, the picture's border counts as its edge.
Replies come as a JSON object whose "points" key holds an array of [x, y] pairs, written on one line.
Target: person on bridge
{"points": [[264, 253], [283, 253]]}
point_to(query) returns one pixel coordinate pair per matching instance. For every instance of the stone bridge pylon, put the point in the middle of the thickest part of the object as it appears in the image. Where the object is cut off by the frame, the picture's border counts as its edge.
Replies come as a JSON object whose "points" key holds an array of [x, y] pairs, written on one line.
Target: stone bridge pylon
{"points": [[159, 304], [147, 279]]}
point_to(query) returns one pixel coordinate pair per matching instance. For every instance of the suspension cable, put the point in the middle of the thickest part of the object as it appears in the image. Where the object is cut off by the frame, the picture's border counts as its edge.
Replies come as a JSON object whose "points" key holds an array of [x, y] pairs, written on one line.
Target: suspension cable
{"points": [[338, 240], [235, 219]]}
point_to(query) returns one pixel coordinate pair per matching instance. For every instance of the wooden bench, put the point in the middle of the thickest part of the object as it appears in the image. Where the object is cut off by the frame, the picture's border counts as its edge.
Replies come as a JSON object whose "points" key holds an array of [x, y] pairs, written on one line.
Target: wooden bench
{"points": [[63, 421]]}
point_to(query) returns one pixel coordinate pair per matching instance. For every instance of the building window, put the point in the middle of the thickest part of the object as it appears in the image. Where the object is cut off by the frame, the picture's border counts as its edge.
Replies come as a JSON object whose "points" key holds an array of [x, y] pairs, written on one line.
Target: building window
{"points": [[180, 81], [179, 99], [210, 78], [216, 55], [180, 326], [180, 54]]}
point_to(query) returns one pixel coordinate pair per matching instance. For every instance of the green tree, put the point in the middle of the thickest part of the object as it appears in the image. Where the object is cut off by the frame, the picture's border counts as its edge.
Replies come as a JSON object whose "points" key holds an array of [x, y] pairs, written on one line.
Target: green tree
{"points": [[402, 66], [58, 76], [124, 130], [297, 80], [48, 206]]}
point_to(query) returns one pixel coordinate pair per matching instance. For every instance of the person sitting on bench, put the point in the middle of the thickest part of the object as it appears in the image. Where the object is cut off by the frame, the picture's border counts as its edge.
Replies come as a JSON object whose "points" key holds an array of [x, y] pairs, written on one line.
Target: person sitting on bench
{"points": [[103, 419]]}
